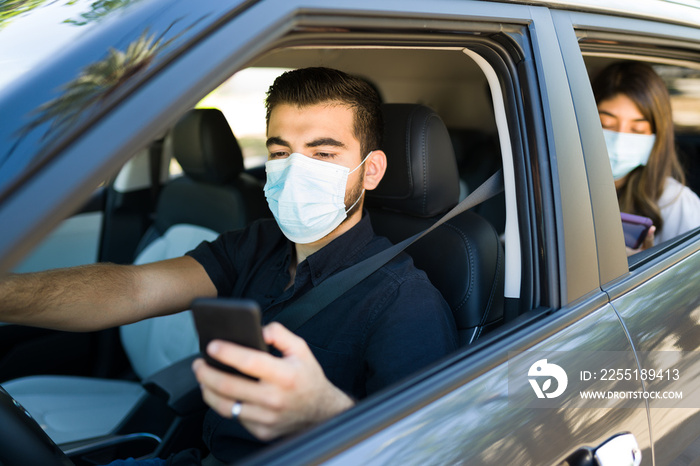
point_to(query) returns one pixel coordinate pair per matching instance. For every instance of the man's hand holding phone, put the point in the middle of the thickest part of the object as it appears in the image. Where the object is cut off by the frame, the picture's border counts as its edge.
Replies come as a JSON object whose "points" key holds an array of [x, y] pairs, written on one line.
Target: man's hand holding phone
{"points": [[234, 320], [277, 395]]}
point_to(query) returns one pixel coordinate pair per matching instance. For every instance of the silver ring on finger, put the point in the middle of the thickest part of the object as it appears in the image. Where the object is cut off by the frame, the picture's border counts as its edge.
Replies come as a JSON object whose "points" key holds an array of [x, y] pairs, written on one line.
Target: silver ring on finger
{"points": [[236, 410]]}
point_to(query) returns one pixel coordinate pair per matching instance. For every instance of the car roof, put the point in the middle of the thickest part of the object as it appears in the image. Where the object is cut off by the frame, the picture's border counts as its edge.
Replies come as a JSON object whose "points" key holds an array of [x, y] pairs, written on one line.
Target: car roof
{"points": [[685, 12]]}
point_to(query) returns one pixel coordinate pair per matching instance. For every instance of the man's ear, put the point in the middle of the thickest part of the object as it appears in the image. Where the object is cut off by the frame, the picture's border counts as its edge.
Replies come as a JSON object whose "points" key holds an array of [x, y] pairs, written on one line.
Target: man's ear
{"points": [[375, 167]]}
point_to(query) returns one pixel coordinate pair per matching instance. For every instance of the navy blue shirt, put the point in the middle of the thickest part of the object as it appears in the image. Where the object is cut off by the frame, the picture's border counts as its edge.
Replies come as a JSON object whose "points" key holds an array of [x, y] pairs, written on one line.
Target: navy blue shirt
{"points": [[385, 328]]}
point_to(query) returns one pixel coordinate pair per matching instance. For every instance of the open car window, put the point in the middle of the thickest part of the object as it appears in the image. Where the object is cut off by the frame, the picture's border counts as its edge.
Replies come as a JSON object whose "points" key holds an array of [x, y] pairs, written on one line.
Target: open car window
{"points": [[680, 77]]}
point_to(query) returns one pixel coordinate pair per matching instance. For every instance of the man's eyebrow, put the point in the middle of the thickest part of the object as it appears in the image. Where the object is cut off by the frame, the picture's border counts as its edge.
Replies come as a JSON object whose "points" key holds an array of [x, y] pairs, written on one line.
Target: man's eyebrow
{"points": [[326, 142], [276, 141]]}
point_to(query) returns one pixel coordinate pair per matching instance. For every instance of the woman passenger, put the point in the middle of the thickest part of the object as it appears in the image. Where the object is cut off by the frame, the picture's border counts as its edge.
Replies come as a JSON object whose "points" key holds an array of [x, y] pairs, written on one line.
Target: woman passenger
{"points": [[635, 110]]}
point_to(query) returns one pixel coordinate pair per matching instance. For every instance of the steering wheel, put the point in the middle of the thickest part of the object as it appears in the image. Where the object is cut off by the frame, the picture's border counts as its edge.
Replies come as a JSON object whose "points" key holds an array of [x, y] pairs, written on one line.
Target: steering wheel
{"points": [[22, 440]]}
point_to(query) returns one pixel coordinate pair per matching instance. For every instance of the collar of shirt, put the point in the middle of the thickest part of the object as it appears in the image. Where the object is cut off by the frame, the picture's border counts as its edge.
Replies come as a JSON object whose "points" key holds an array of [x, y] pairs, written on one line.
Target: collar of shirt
{"points": [[338, 253]]}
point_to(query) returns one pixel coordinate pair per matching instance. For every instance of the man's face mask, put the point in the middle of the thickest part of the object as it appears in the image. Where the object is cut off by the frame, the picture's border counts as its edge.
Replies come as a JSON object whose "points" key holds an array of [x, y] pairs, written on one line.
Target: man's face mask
{"points": [[307, 196], [627, 151]]}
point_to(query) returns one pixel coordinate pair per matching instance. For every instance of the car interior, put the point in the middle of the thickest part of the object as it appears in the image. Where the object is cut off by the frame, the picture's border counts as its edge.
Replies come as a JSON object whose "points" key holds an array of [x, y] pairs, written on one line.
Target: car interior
{"points": [[205, 176]]}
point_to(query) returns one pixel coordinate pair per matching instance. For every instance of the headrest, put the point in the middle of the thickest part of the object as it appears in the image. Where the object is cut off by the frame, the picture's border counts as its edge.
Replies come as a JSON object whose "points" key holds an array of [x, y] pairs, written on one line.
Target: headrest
{"points": [[205, 147], [421, 178]]}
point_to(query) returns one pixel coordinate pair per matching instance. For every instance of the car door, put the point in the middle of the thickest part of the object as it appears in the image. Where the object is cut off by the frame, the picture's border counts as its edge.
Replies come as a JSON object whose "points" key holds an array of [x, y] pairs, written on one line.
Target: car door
{"points": [[481, 406], [657, 300]]}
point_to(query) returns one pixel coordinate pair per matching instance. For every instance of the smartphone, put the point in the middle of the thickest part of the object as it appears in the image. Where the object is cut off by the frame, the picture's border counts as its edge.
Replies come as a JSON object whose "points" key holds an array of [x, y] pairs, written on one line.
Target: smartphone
{"points": [[635, 228], [235, 320]]}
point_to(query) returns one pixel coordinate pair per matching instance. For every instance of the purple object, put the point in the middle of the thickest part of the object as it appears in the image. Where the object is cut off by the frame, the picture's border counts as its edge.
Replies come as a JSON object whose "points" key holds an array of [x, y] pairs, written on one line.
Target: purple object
{"points": [[635, 228]]}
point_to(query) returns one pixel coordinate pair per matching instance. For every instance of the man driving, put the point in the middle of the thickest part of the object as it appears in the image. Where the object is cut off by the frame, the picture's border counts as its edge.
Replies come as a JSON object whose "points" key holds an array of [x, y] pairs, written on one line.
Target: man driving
{"points": [[323, 136]]}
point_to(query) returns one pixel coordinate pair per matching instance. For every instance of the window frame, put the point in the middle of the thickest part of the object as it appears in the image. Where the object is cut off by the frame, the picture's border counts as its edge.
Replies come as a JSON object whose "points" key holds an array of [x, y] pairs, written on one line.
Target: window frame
{"points": [[590, 33]]}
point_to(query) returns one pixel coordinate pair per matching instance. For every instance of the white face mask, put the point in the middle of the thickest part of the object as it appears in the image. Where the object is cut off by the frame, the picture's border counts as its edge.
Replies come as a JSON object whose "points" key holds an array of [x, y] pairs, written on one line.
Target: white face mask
{"points": [[627, 151], [307, 196]]}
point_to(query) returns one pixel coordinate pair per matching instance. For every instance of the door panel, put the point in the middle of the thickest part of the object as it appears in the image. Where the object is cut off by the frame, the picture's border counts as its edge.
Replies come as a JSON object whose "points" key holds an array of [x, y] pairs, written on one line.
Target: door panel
{"points": [[488, 420], [28, 350], [662, 314], [74, 242]]}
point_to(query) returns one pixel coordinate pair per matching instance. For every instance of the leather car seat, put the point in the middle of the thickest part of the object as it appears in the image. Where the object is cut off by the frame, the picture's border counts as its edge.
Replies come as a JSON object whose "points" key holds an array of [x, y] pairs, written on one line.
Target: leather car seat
{"points": [[212, 196], [463, 258]]}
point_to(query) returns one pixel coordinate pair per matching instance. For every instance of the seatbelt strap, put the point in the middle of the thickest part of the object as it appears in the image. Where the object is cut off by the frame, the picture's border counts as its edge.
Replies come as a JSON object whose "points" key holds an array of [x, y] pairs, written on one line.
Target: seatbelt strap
{"points": [[309, 304]]}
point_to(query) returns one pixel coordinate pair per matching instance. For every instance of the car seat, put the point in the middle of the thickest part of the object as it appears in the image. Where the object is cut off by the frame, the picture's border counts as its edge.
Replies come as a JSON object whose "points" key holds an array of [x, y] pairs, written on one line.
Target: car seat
{"points": [[478, 157], [463, 257], [212, 196]]}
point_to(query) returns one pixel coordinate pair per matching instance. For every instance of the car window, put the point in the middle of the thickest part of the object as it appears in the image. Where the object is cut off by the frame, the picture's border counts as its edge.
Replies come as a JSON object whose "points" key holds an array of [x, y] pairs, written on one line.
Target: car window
{"points": [[681, 80], [451, 83]]}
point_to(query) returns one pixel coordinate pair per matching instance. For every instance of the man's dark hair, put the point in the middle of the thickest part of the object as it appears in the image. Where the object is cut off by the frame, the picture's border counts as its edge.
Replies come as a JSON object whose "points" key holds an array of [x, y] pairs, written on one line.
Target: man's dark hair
{"points": [[311, 86]]}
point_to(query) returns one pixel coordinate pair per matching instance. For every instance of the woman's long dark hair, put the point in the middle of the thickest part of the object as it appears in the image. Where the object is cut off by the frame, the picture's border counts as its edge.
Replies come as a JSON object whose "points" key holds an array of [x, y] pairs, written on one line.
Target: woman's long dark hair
{"points": [[644, 185]]}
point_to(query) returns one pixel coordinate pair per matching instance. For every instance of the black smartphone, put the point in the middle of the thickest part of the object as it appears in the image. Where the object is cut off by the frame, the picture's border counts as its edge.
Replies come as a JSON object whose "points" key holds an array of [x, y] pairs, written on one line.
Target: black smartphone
{"points": [[235, 320], [635, 228]]}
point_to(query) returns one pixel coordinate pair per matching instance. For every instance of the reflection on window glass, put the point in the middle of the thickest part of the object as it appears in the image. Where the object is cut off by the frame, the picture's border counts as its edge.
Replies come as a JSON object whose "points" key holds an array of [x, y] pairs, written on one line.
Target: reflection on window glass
{"points": [[242, 100]]}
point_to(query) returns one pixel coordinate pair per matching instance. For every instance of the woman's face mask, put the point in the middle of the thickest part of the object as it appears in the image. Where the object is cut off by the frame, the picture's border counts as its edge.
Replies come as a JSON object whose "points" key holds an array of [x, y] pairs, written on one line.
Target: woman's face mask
{"points": [[307, 196], [627, 151]]}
